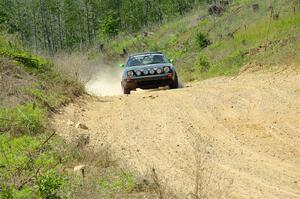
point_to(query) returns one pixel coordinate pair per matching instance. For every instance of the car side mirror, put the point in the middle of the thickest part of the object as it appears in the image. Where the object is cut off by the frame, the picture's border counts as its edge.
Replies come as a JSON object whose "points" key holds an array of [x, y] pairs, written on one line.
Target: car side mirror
{"points": [[121, 65], [171, 61]]}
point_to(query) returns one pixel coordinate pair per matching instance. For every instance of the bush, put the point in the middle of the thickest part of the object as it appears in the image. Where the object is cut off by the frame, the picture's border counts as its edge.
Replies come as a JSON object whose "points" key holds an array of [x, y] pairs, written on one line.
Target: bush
{"points": [[111, 24], [50, 184], [203, 64], [202, 40]]}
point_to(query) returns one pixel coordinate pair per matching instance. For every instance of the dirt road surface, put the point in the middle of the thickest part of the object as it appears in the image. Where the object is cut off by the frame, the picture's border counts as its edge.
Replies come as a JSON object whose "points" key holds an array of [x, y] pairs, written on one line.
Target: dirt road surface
{"points": [[245, 132]]}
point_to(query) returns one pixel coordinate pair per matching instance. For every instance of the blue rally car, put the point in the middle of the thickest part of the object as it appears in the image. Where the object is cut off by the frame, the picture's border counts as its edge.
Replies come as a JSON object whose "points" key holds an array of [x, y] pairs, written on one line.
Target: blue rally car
{"points": [[148, 71]]}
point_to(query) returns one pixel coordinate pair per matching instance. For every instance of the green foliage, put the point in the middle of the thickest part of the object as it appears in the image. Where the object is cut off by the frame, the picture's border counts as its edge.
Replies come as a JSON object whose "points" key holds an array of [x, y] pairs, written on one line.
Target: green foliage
{"points": [[203, 64], [26, 193], [24, 119], [117, 183], [111, 25], [67, 24], [6, 192], [50, 184], [11, 49], [202, 40], [14, 153], [26, 58], [52, 99], [21, 157]]}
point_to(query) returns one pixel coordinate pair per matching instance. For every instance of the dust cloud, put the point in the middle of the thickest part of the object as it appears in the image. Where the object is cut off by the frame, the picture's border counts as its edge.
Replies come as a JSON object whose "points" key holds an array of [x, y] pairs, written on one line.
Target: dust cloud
{"points": [[105, 82], [101, 78]]}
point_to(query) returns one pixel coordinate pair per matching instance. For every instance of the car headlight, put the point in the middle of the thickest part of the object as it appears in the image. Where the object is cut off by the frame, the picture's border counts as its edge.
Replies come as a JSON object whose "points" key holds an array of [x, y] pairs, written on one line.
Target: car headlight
{"points": [[138, 73], [146, 72], [152, 71], [167, 69], [130, 73], [159, 71]]}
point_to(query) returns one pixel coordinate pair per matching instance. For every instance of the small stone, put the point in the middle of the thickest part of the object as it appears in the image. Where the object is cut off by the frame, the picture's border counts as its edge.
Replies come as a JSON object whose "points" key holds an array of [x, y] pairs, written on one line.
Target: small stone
{"points": [[80, 170], [79, 167], [81, 126]]}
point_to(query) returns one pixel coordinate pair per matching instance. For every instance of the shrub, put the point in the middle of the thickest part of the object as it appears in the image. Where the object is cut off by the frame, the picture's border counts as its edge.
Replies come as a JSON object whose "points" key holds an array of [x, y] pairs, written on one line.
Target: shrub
{"points": [[50, 184], [111, 24], [203, 64], [202, 40]]}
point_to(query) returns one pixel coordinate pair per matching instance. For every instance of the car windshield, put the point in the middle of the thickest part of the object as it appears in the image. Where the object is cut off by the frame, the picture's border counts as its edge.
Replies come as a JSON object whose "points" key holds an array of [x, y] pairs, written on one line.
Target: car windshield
{"points": [[140, 60]]}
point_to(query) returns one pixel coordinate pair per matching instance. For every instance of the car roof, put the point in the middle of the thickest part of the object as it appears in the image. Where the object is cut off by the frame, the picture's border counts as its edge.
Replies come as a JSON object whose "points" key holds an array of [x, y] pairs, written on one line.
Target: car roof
{"points": [[146, 53]]}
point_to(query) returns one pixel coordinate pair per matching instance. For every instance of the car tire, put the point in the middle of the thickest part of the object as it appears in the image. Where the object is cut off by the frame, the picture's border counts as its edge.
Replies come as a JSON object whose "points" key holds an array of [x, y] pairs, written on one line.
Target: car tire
{"points": [[126, 91], [175, 83]]}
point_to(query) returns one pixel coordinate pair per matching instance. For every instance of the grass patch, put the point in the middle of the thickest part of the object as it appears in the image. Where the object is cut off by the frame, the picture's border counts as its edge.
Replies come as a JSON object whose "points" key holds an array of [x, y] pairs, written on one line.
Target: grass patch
{"points": [[37, 64], [51, 100], [113, 183], [23, 160], [24, 119], [11, 48]]}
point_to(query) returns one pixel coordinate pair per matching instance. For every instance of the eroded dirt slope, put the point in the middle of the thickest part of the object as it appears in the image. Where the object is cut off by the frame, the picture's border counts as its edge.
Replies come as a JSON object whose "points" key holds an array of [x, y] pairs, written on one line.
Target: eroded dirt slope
{"points": [[246, 128]]}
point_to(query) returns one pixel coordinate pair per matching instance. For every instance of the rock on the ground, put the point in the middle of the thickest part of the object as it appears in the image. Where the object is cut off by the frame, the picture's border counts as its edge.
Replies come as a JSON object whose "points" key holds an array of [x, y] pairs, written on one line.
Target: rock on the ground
{"points": [[81, 126]]}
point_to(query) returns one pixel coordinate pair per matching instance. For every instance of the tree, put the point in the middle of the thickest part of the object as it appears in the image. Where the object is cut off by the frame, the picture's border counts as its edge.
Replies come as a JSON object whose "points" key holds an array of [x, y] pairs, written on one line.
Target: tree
{"points": [[52, 25]]}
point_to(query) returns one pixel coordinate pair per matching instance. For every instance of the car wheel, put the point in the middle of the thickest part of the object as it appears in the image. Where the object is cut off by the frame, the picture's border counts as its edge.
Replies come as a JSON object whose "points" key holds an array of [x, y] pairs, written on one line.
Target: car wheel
{"points": [[175, 83], [126, 91]]}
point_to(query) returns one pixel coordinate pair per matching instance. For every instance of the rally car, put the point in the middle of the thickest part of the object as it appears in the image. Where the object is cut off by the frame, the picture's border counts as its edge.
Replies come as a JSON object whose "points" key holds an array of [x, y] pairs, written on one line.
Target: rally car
{"points": [[148, 71]]}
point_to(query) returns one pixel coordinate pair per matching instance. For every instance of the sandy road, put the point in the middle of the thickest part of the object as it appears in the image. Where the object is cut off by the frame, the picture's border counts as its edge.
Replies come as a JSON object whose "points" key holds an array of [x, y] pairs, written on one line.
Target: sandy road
{"points": [[246, 128]]}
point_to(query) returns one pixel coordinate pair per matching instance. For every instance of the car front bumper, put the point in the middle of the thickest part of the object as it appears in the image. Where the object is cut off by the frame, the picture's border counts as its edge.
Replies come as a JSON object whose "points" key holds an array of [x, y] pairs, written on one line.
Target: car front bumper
{"points": [[148, 82]]}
